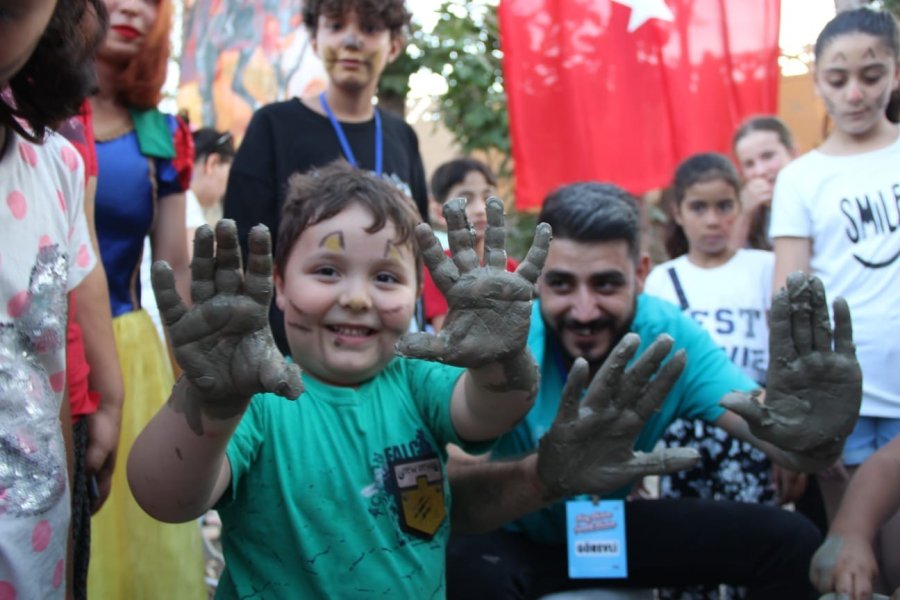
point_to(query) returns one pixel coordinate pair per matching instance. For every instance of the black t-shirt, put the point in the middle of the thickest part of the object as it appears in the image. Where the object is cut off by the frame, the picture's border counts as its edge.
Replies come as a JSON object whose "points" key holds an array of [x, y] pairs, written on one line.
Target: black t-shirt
{"points": [[284, 138]]}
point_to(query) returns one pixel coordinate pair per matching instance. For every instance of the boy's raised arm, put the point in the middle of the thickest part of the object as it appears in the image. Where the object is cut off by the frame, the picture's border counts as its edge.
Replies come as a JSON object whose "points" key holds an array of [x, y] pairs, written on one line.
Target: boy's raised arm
{"points": [[486, 328], [177, 467]]}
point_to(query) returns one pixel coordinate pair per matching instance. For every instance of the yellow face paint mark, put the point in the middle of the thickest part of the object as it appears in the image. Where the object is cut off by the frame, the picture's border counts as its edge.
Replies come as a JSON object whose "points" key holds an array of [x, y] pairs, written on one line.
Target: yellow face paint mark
{"points": [[333, 242], [392, 251]]}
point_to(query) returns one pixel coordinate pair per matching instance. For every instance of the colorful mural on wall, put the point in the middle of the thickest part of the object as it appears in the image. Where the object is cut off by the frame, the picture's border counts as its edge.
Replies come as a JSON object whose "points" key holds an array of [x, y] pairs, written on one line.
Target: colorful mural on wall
{"points": [[241, 54]]}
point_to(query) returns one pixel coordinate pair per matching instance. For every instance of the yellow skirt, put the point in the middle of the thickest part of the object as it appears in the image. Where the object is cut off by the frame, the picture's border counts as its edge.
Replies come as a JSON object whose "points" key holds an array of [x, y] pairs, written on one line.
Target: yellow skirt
{"points": [[132, 555]]}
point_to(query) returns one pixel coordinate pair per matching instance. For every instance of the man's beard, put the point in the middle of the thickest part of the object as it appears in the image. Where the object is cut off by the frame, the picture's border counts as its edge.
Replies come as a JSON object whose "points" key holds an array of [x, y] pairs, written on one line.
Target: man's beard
{"points": [[617, 332]]}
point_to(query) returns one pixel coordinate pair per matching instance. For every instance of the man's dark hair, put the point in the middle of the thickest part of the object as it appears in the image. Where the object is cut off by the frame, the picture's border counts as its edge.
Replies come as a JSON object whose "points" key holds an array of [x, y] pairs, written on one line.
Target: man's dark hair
{"points": [[59, 75], [390, 14], [594, 212], [321, 193], [454, 172]]}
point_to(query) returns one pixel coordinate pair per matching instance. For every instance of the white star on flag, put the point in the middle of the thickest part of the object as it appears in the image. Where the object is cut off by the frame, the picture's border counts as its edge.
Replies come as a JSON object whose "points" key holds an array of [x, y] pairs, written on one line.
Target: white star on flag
{"points": [[644, 10]]}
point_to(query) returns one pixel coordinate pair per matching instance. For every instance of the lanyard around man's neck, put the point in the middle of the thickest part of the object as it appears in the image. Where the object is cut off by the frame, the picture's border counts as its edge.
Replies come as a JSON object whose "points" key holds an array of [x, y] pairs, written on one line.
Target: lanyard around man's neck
{"points": [[345, 145]]}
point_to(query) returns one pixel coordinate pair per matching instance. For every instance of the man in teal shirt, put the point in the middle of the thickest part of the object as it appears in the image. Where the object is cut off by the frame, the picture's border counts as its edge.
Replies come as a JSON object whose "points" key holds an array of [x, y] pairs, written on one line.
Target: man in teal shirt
{"points": [[590, 298]]}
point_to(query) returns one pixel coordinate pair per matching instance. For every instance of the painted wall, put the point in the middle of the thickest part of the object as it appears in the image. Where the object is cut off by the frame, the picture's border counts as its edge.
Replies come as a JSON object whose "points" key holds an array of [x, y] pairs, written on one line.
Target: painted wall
{"points": [[241, 54]]}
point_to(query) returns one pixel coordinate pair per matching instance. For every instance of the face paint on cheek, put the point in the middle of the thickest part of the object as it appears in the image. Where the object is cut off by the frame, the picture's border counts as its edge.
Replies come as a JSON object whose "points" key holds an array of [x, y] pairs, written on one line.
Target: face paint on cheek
{"points": [[295, 318], [375, 58], [399, 317], [329, 56], [830, 107]]}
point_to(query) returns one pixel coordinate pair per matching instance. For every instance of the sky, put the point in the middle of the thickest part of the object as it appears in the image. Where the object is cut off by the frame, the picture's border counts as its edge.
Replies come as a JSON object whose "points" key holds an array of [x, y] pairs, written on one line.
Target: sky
{"points": [[801, 22]]}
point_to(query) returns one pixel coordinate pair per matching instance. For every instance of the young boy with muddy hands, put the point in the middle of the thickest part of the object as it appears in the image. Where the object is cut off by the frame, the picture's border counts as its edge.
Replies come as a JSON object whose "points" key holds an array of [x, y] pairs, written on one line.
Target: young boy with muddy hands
{"points": [[342, 493]]}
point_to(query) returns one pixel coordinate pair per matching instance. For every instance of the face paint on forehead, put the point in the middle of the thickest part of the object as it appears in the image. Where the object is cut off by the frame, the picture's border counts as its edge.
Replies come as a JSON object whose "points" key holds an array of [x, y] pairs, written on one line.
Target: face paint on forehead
{"points": [[841, 57], [392, 251], [333, 242]]}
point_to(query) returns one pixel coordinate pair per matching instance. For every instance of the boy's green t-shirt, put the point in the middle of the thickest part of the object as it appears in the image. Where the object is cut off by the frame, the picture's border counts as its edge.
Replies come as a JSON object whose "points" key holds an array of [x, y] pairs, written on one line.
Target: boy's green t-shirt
{"points": [[342, 493]]}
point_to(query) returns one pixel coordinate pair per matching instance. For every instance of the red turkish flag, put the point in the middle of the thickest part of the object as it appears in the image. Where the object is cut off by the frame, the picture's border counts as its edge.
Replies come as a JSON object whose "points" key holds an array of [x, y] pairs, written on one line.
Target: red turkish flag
{"points": [[623, 90]]}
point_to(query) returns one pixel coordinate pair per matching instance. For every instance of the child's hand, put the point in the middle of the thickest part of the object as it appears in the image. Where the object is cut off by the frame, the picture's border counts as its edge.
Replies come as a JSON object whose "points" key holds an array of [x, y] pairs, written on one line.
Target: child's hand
{"points": [[789, 485], [223, 342], [813, 392], [756, 193], [844, 564], [489, 307], [590, 447]]}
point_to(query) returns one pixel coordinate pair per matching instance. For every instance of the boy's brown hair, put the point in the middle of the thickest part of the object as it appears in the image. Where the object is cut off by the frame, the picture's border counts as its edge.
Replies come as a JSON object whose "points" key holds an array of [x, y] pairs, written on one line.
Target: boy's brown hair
{"points": [[323, 192], [390, 14]]}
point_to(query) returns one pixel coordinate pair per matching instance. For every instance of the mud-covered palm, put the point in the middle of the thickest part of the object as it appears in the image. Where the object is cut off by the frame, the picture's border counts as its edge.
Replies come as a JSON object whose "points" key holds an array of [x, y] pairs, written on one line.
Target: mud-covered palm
{"points": [[590, 447], [223, 341], [489, 307], [814, 386]]}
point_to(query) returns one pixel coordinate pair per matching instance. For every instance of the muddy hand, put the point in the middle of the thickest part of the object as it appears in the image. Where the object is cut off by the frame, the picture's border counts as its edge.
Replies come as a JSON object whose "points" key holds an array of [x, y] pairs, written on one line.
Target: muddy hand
{"points": [[590, 447], [489, 307], [814, 386], [223, 342]]}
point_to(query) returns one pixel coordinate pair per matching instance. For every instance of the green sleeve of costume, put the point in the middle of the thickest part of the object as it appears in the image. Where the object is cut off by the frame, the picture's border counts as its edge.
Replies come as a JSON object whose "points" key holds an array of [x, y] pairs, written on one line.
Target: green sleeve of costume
{"points": [[153, 133]]}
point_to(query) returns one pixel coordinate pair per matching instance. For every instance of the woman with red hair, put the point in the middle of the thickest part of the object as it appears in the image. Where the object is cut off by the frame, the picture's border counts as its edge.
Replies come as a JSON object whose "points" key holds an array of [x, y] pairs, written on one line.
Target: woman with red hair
{"points": [[144, 159]]}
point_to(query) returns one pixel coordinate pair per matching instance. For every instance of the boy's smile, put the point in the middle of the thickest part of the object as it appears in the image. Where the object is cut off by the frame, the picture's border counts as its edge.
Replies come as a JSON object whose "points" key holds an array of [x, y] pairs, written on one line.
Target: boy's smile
{"points": [[347, 296]]}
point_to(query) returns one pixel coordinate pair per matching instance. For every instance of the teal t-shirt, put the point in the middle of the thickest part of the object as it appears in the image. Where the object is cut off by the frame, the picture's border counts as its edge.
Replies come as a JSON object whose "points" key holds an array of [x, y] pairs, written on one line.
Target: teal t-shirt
{"points": [[707, 377], [342, 493]]}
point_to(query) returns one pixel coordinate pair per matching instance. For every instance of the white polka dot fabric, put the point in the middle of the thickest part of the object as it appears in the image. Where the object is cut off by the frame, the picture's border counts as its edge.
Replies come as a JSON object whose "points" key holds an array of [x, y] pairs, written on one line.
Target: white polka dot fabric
{"points": [[45, 252]]}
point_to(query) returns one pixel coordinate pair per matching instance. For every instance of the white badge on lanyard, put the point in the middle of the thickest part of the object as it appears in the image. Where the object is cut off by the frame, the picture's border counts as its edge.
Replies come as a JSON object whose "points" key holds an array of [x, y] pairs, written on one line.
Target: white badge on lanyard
{"points": [[595, 535]]}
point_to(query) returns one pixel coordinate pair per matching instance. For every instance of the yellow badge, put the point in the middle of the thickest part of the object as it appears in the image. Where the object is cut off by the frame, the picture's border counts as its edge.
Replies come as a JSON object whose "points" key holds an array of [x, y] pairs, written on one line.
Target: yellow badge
{"points": [[420, 484]]}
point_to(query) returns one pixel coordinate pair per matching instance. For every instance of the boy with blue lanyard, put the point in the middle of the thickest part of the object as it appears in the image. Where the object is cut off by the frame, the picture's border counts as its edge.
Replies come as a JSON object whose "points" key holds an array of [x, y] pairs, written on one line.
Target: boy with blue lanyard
{"points": [[356, 40], [590, 299]]}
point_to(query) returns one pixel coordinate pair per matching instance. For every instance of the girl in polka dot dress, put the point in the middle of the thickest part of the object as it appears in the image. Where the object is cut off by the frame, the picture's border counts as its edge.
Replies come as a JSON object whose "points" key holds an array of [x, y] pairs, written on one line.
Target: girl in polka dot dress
{"points": [[44, 252]]}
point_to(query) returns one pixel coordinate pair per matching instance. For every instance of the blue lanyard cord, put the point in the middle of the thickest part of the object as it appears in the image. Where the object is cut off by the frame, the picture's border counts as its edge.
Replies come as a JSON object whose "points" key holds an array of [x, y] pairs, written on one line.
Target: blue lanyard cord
{"points": [[345, 145]]}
